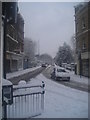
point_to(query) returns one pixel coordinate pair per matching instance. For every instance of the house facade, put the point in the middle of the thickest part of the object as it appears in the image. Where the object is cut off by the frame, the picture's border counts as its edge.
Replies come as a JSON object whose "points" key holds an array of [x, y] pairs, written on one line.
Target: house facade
{"points": [[14, 45], [82, 24]]}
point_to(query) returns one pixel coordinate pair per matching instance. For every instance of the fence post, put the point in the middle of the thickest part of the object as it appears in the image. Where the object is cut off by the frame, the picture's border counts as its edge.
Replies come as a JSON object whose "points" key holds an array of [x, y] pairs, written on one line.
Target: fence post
{"points": [[42, 95], [4, 111]]}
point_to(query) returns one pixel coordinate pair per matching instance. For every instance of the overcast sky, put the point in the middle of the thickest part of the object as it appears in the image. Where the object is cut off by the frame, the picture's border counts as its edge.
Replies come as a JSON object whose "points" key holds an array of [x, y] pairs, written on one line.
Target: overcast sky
{"points": [[50, 23]]}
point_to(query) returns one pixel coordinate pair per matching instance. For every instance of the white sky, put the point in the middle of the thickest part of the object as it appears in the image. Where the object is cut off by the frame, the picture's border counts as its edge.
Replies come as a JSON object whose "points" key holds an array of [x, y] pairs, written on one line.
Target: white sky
{"points": [[50, 23]]}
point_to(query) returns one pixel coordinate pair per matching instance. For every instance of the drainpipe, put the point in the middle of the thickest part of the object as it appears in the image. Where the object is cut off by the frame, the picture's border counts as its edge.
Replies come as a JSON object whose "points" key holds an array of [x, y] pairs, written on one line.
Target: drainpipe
{"points": [[4, 46], [1, 60]]}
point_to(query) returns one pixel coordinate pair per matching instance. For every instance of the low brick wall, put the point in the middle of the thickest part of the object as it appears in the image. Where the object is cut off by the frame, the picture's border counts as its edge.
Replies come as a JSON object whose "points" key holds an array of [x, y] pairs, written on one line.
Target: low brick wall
{"points": [[25, 76]]}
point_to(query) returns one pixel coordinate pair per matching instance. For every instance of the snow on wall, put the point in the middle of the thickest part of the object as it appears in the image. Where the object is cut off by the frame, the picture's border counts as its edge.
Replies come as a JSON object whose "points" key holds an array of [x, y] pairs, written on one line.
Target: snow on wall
{"points": [[18, 73]]}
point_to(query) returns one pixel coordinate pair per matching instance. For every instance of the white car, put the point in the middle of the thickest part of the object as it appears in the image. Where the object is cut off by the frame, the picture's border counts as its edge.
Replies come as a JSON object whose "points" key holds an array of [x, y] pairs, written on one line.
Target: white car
{"points": [[60, 73]]}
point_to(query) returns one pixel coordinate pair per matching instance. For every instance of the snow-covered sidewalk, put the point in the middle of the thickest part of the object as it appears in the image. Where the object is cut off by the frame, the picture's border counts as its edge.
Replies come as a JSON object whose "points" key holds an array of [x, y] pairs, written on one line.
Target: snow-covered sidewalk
{"points": [[77, 78], [62, 101]]}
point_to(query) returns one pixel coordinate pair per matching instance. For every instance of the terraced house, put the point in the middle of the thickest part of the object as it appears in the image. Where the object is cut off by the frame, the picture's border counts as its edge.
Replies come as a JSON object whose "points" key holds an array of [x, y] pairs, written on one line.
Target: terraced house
{"points": [[82, 24], [14, 45]]}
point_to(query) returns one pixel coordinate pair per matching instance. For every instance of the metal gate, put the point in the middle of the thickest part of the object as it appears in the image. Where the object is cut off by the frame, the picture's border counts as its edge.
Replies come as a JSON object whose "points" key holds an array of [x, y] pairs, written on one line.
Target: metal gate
{"points": [[28, 101]]}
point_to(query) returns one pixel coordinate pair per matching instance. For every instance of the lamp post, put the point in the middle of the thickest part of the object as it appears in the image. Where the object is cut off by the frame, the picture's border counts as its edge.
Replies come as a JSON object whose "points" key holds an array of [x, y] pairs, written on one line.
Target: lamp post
{"points": [[80, 64]]}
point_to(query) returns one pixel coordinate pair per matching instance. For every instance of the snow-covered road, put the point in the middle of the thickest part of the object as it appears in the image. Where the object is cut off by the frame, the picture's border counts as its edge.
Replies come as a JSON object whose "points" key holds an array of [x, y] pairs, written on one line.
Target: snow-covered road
{"points": [[62, 101]]}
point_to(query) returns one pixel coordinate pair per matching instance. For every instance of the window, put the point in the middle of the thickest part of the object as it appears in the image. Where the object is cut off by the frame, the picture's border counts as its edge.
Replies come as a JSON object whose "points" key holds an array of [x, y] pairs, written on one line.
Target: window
{"points": [[83, 44], [61, 70], [77, 28], [83, 23]]}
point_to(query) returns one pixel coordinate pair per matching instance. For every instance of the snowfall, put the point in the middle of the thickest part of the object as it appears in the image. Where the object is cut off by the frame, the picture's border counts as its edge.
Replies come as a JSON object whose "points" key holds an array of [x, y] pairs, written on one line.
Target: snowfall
{"points": [[61, 101]]}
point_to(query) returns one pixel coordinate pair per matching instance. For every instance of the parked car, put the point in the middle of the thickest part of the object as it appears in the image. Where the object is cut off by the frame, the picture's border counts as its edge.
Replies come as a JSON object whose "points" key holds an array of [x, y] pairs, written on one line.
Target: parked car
{"points": [[60, 73], [68, 68], [44, 65]]}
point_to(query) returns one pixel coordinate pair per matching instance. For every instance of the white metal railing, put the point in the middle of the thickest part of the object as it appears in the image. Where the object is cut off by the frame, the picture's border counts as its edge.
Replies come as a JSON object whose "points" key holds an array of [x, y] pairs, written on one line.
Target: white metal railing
{"points": [[28, 101]]}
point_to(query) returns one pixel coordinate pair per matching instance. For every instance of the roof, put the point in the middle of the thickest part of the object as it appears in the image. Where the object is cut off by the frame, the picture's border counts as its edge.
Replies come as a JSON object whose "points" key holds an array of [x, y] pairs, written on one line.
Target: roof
{"points": [[81, 6]]}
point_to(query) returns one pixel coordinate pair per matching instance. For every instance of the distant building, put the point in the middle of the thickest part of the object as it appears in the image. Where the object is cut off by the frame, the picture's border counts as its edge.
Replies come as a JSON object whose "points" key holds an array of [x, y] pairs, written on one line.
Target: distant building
{"points": [[82, 23], [14, 45], [29, 53], [44, 58]]}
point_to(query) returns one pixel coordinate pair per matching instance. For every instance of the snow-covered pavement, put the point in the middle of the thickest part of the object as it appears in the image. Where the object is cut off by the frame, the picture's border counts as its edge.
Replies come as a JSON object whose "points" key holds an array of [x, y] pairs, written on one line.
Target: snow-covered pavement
{"points": [[62, 101], [77, 78]]}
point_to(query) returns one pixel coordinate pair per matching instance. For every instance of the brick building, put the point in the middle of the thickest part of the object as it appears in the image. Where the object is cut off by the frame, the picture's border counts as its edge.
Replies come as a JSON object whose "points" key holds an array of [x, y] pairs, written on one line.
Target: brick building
{"points": [[14, 45], [82, 23]]}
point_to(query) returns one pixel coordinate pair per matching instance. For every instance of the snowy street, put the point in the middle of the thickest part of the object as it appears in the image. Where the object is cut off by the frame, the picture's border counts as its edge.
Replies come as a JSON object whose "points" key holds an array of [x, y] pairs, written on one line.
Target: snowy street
{"points": [[77, 82], [61, 101]]}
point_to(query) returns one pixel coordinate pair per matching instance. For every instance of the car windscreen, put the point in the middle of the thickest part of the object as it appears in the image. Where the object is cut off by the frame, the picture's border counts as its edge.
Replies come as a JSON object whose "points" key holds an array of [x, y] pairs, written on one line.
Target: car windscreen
{"points": [[61, 70]]}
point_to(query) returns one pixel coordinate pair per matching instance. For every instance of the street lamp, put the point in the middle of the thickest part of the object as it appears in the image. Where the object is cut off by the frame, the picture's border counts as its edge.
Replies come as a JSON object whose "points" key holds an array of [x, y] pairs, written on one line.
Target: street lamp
{"points": [[80, 62]]}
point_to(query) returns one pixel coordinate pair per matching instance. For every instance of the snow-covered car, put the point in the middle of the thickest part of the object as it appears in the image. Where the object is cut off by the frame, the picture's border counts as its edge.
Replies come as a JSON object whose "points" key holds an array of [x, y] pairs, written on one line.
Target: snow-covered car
{"points": [[60, 73]]}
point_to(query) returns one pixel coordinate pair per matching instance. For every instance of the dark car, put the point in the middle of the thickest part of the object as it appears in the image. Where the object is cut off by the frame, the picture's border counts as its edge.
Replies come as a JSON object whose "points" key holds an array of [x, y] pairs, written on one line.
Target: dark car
{"points": [[44, 65]]}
